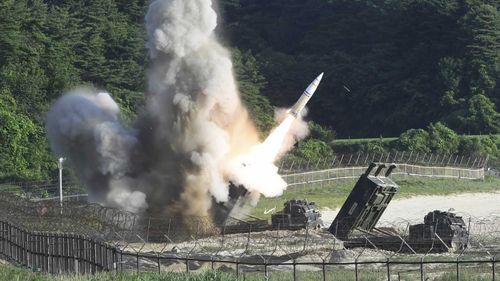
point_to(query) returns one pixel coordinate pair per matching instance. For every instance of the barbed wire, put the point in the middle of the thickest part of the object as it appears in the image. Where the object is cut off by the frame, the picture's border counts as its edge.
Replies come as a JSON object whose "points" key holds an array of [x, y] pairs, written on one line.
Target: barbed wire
{"points": [[149, 242], [198, 235], [109, 239]]}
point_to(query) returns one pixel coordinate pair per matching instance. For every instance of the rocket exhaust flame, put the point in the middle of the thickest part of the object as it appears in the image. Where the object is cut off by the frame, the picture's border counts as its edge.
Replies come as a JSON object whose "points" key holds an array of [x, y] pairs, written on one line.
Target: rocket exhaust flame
{"points": [[260, 161]]}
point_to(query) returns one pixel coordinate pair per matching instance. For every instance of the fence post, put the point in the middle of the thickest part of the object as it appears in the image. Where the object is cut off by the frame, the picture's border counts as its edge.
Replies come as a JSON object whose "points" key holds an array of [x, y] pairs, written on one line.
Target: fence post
{"points": [[295, 270], [74, 251], [115, 259], [324, 271], [237, 269], [421, 269], [493, 267], [388, 270], [47, 250], [356, 269], [27, 245], [458, 270], [94, 255], [137, 262], [159, 266], [266, 271], [349, 162]]}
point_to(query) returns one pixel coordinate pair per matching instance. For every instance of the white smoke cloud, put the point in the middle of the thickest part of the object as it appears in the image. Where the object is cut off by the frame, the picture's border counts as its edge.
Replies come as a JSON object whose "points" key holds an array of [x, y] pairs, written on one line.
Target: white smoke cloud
{"points": [[84, 126], [193, 137]]}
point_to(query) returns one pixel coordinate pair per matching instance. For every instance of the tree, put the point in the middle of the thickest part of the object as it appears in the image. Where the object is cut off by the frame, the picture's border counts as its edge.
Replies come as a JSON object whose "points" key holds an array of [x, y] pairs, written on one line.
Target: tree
{"points": [[312, 149], [481, 116], [414, 140], [389, 65], [376, 146], [60, 54], [481, 25], [23, 147], [320, 132], [250, 83], [442, 139], [479, 146]]}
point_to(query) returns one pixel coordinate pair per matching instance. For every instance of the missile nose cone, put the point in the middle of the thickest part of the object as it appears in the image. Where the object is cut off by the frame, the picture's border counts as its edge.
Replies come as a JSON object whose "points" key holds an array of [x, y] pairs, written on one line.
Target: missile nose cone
{"points": [[306, 96], [320, 76]]}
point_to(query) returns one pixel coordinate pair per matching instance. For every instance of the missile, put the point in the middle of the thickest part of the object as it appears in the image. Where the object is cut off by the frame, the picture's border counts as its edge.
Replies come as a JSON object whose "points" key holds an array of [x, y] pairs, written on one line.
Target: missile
{"points": [[306, 96]]}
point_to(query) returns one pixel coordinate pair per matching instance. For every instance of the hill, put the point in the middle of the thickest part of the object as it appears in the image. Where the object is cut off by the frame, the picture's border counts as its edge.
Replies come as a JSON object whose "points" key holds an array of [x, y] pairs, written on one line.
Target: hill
{"points": [[390, 65]]}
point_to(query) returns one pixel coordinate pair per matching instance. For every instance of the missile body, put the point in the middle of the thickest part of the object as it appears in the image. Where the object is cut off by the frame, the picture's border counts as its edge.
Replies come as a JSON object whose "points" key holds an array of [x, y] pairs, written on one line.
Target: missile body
{"points": [[305, 97]]}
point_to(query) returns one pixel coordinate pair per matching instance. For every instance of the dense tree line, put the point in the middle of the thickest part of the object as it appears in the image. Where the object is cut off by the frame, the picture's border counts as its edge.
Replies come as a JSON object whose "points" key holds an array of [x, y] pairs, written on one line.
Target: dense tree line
{"points": [[390, 65], [48, 47]]}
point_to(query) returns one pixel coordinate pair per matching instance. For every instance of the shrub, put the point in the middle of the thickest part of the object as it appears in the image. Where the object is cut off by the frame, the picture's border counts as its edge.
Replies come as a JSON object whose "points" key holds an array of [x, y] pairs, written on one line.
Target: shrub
{"points": [[443, 139], [312, 149], [416, 140]]}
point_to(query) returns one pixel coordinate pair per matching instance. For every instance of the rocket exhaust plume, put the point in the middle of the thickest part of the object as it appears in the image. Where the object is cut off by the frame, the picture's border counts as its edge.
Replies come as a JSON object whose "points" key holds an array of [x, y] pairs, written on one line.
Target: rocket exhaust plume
{"points": [[191, 139], [260, 160]]}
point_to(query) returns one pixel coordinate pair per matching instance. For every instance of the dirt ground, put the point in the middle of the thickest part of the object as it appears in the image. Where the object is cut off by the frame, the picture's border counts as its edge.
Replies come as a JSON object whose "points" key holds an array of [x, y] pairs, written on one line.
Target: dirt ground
{"points": [[413, 210]]}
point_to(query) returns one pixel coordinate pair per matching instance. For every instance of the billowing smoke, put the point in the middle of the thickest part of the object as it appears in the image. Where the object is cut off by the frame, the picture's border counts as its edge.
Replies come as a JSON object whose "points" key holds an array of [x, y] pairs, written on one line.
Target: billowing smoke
{"points": [[193, 137]]}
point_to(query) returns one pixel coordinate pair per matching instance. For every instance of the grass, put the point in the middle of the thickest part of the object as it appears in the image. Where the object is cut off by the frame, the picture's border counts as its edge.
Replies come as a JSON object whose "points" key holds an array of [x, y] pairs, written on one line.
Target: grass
{"points": [[334, 194], [10, 188], [364, 140], [11, 273]]}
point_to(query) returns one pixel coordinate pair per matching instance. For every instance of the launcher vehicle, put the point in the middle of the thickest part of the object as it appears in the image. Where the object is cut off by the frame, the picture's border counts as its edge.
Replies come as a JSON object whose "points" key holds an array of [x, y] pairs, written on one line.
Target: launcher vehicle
{"points": [[297, 214], [355, 223]]}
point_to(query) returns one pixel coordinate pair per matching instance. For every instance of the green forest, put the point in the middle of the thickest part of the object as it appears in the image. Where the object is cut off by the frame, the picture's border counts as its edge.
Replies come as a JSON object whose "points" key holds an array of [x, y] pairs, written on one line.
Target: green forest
{"points": [[424, 71]]}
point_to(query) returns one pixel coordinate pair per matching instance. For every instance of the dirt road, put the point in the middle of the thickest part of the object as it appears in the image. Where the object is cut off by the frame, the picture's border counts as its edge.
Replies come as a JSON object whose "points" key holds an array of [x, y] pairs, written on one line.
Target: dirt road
{"points": [[476, 205]]}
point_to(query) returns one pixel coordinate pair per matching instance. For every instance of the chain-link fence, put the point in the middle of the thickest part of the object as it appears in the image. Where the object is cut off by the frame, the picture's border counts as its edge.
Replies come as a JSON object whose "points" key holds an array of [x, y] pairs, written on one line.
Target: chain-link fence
{"points": [[350, 166], [304, 179], [86, 238], [305, 172], [44, 190], [77, 237], [271, 255], [292, 166]]}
